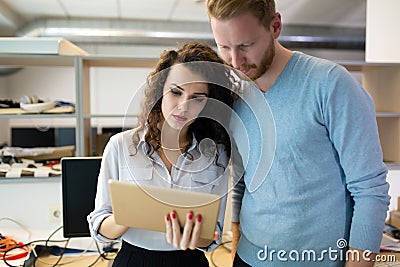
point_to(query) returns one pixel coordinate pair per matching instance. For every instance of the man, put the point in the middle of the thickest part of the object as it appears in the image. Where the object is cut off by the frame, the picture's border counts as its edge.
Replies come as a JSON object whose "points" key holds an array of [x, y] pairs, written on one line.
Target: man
{"points": [[325, 197]]}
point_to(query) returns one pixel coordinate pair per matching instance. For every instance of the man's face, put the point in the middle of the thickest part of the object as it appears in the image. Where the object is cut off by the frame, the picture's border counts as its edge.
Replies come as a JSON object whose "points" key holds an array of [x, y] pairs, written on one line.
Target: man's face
{"points": [[245, 44]]}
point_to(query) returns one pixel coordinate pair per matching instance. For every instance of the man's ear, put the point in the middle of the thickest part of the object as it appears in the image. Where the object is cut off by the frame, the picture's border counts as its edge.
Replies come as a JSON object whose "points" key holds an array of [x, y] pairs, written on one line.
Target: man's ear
{"points": [[276, 25]]}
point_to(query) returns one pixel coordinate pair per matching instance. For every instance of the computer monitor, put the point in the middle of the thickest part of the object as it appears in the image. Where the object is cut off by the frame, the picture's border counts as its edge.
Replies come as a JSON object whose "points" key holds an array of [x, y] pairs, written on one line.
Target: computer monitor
{"points": [[32, 137], [79, 185]]}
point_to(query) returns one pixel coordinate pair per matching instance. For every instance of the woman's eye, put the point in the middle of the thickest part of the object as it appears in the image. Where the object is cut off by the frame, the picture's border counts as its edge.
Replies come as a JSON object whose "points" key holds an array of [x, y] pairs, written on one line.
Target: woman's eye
{"points": [[175, 91], [200, 99]]}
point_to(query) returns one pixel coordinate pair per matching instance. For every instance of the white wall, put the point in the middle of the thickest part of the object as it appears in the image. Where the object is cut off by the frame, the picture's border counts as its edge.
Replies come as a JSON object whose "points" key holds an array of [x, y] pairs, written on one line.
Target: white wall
{"points": [[28, 203], [44, 82], [382, 31], [30, 209], [393, 179]]}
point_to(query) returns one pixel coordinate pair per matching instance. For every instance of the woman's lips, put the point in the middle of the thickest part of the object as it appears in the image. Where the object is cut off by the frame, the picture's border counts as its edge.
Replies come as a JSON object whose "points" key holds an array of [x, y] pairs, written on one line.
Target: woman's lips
{"points": [[179, 118]]}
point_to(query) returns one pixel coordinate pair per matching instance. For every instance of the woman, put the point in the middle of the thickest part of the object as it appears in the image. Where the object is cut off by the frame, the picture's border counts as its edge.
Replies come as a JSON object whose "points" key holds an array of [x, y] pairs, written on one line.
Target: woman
{"points": [[180, 142]]}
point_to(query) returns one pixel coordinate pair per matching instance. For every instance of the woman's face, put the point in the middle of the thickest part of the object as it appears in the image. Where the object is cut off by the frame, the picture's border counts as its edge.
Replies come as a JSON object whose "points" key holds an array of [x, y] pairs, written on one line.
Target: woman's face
{"points": [[184, 97]]}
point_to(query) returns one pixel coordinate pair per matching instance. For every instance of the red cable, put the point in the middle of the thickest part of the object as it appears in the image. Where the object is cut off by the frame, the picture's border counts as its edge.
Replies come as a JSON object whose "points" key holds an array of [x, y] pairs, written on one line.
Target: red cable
{"points": [[7, 244]]}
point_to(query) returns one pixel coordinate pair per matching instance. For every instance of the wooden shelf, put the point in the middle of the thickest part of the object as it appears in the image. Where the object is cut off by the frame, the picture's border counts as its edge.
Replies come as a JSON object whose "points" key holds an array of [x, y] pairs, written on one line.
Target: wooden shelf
{"points": [[389, 133], [36, 116], [18, 60], [387, 115], [55, 179], [382, 81], [127, 62], [393, 166]]}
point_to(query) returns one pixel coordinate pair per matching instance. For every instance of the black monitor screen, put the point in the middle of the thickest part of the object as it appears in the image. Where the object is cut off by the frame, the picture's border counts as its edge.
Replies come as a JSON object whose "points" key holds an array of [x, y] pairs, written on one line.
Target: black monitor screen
{"points": [[32, 137], [79, 184]]}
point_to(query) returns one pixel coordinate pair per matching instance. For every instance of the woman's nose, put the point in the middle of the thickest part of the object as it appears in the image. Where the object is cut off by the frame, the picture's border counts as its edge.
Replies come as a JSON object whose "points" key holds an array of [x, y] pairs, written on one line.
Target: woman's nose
{"points": [[184, 105]]}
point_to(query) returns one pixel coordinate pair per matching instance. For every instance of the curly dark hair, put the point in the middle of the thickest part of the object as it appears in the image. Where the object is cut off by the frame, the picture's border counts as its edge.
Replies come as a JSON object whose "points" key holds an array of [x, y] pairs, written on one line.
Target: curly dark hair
{"points": [[222, 88]]}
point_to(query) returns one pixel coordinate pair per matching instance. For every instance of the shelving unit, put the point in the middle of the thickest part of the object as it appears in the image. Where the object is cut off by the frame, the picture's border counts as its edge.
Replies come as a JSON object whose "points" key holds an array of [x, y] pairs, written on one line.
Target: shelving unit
{"points": [[34, 60], [382, 81], [81, 66], [82, 118], [85, 116], [53, 179]]}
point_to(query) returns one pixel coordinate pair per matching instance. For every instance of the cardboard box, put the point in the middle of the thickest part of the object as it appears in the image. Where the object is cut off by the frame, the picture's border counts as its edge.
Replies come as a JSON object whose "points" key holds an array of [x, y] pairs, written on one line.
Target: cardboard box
{"points": [[56, 154], [101, 141], [398, 203], [395, 219]]}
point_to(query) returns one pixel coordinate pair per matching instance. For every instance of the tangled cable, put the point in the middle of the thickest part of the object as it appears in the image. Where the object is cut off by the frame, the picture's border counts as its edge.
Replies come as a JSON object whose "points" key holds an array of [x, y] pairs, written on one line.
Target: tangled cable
{"points": [[8, 244]]}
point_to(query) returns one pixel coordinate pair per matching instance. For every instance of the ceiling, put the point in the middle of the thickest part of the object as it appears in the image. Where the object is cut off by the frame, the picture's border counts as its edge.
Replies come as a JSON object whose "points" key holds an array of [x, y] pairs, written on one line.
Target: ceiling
{"points": [[339, 22]]}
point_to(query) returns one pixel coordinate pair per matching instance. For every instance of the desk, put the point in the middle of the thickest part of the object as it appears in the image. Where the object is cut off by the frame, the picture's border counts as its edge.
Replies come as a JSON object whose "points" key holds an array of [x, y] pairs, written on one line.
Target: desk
{"points": [[69, 260], [74, 260], [222, 258]]}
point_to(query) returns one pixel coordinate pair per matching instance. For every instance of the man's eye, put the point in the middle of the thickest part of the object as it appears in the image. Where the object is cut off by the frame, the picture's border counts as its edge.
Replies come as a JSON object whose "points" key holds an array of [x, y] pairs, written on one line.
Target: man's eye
{"points": [[245, 46]]}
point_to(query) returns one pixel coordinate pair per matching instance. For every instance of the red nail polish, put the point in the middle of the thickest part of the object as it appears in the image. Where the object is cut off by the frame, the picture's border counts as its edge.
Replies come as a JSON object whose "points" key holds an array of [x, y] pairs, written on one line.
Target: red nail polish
{"points": [[167, 217], [190, 216], [199, 218], [173, 215]]}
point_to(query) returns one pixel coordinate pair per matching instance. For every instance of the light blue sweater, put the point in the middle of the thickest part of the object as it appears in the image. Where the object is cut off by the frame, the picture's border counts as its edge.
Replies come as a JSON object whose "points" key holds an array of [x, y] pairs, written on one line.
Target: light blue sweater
{"points": [[327, 182]]}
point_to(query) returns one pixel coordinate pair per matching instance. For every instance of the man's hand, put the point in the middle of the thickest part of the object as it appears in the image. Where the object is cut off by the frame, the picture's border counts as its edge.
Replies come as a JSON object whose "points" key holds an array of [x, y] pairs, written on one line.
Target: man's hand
{"points": [[189, 236], [235, 238], [360, 260]]}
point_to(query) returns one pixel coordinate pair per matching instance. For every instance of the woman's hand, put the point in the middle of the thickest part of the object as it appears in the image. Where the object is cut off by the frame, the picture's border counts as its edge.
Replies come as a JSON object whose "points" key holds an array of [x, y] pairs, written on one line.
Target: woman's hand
{"points": [[189, 236]]}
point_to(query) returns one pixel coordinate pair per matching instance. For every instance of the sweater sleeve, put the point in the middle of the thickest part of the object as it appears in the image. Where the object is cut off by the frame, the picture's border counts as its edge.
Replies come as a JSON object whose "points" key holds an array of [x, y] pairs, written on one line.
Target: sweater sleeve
{"points": [[238, 185], [220, 189], [237, 195], [351, 121]]}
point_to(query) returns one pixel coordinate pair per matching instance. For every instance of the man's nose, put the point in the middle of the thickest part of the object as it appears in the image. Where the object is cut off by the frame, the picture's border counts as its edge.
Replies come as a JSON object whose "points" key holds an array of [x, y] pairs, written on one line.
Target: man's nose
{"points": [[237, 58]]}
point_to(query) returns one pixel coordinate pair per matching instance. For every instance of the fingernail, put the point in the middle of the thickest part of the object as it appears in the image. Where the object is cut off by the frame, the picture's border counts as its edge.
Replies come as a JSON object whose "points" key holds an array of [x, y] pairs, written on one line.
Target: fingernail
{"points": [[167, 217], [199, 218], [173, 215], [190, 216]]}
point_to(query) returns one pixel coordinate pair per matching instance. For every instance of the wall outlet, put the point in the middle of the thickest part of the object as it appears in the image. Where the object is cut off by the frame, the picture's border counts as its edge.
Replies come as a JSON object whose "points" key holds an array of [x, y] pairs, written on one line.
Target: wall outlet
{"points": [[55, 214]]}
